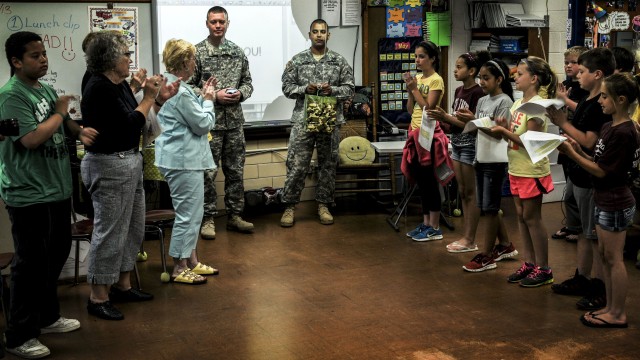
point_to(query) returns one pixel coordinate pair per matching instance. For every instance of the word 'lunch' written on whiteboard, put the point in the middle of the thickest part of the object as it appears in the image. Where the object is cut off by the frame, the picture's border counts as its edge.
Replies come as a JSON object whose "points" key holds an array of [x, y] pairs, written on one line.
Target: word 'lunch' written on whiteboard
{"points": [[62, 27]]}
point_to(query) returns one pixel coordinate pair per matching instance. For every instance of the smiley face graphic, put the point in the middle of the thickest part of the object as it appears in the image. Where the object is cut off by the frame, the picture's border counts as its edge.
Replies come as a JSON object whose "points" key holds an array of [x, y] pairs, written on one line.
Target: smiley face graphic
{"points": [[68, 55], [356, 150]]}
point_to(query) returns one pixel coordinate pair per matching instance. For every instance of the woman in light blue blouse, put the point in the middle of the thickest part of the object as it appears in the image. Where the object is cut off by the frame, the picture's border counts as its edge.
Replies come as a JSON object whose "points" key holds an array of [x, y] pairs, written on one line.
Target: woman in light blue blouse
{"points": [[182, 156]]}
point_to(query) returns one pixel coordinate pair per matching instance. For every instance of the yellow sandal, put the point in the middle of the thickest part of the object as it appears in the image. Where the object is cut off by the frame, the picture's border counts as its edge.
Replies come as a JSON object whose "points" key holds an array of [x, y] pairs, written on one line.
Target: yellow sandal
{"points": [[202, 269], [189, 277]]}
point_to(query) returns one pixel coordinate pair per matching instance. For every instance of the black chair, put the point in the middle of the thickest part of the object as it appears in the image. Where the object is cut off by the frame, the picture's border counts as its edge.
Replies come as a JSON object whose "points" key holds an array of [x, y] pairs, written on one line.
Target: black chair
{"points": [[156, 221]]}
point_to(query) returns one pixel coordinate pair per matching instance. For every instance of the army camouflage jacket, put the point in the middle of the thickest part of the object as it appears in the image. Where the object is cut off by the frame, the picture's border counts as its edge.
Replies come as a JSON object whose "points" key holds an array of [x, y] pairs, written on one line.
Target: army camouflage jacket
{"points": [[230, 66], [303, 70]]}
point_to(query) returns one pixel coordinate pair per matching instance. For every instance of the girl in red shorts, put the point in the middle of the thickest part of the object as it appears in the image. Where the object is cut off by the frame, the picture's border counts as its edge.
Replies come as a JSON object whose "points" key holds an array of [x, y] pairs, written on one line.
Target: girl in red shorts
{"points": [[529, 181]]}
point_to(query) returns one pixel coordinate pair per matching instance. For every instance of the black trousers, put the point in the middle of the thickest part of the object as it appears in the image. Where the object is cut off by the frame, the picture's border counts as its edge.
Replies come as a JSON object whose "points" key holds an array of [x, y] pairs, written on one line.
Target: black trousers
{"points": [[42, 242], [428, 186]]}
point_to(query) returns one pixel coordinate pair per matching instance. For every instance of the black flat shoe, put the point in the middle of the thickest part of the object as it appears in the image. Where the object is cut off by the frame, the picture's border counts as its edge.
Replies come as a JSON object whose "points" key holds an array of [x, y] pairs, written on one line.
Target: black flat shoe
{"points": [[104, 310], [131, 295]]}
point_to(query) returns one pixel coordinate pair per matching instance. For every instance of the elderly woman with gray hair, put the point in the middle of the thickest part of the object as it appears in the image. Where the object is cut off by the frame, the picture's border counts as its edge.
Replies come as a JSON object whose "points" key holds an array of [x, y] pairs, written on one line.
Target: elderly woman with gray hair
{"points": [[182, 156], [112, 170]]}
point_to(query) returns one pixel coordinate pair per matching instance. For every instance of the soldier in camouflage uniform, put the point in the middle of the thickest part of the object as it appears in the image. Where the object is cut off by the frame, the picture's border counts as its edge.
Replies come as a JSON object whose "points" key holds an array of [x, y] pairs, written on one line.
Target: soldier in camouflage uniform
{"points": [[219, 57], [320, 71]]}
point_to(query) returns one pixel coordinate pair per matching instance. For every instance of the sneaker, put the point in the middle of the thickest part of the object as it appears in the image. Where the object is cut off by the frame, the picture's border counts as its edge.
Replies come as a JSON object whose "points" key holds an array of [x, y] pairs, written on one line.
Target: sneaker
{"points": [[325, 216], [420, 228], [428, 234], [577, 285], [480, 262], [521, 273], [208, 229], [236, 223], [288, 218], [597, 297], [501, 252], [537, 277], [62, 325], [31, 349]]}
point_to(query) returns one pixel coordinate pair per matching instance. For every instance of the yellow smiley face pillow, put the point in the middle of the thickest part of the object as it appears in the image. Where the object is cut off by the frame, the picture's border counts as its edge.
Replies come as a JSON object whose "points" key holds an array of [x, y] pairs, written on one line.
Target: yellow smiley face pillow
{"points": [[356, 150]]}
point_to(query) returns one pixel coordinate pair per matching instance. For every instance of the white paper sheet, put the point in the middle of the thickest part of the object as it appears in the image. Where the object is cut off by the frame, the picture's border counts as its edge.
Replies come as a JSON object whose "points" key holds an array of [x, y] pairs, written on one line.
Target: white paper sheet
{"points": [[427, 127], [536, 107], [473, 125], [540, 144], [490, 149]]}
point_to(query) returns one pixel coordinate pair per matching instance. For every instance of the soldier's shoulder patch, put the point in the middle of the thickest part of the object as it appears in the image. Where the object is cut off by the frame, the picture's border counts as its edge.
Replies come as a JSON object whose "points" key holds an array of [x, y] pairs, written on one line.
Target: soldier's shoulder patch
{"points": [[289, 64]]}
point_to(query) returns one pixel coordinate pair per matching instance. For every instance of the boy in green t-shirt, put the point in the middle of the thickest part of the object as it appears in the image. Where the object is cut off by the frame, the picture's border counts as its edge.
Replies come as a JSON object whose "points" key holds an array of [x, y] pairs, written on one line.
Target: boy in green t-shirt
{"points": [[35, 184]]}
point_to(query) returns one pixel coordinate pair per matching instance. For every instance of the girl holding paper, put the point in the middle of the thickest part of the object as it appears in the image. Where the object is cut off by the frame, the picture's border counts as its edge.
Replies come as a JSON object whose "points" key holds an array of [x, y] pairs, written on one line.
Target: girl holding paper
{"points": [[425, 92], [463, 145], [615, 205], [528, 180], [489, 173]]}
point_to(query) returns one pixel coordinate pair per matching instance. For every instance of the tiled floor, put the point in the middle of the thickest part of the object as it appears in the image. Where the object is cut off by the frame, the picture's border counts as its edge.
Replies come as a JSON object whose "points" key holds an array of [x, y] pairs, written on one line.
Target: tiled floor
{"points": [[354, 290]]}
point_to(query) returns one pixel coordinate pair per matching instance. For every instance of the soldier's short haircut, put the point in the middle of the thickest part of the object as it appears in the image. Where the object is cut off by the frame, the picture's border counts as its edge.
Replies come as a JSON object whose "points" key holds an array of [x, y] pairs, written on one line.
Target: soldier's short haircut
{"points": [[218, 10], [318, 21]]}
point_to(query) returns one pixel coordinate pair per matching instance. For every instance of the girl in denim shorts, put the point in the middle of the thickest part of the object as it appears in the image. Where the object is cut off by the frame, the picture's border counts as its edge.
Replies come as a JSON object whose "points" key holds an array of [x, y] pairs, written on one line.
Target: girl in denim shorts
{"points": [[615, 154], [463, 149], [490, 176]]}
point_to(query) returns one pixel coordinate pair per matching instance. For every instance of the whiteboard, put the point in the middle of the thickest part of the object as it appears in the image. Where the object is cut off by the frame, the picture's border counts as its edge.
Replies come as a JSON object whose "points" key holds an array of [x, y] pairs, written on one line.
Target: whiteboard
{"points": [[268, 49], [62, 27]]}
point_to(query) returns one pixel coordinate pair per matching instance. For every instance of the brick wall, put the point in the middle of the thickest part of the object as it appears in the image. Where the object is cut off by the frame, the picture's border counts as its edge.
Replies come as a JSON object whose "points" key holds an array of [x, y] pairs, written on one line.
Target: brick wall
{"points": [[265, 166]]}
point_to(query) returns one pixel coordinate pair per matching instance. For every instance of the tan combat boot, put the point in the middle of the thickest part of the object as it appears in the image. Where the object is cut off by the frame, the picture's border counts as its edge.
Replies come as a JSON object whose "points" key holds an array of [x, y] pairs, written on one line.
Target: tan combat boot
{"points": [[236, 223], [325, 216], [288, 218], [208, 229]]}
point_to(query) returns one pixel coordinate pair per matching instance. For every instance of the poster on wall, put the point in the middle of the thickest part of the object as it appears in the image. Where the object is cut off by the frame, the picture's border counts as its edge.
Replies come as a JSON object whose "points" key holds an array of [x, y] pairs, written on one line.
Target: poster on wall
{"points": [[351, 13], [330, 12], [119, 19], [404, 21]]}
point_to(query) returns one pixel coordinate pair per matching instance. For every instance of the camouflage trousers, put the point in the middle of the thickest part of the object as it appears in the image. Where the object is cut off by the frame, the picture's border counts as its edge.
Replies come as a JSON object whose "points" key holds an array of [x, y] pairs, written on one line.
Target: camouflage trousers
{"points": [[301, 144], [228, 150]]}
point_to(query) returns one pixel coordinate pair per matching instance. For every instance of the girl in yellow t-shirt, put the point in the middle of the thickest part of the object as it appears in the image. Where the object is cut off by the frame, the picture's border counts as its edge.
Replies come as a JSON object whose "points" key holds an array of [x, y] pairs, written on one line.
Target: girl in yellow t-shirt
{"points": [[425, 91], [529, 181]]}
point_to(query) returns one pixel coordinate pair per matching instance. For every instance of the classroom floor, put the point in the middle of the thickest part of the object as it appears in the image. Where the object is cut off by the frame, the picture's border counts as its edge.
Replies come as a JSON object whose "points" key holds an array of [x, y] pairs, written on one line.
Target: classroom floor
{"points": [[353, 290]]}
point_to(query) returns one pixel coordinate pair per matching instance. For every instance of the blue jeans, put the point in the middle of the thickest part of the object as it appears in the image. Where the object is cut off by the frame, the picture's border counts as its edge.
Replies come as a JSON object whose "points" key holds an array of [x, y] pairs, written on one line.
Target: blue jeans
{"points": [[489, 180], [614, 221]]}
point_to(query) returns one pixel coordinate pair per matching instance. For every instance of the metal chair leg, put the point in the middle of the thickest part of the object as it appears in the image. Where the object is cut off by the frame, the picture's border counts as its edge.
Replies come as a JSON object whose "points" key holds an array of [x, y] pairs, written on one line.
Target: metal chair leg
{"points": [[76, 277], [162, 251], [400, 209], [137, 275]]}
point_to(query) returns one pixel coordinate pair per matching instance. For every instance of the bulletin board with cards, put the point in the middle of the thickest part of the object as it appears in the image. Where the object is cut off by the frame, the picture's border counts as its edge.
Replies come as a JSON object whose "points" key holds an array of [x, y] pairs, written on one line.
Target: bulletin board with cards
{"points": [[395, 57], [608, 24]]}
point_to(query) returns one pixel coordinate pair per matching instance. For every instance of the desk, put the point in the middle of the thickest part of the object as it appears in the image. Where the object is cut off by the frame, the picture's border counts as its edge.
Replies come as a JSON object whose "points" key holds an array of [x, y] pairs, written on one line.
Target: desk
{"points": [[393, 148]]}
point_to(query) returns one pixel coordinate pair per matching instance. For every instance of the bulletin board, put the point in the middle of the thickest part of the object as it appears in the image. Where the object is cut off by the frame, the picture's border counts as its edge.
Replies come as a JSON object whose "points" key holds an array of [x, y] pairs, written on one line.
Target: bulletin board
{"points": [[612, 23], [395, 57]]}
